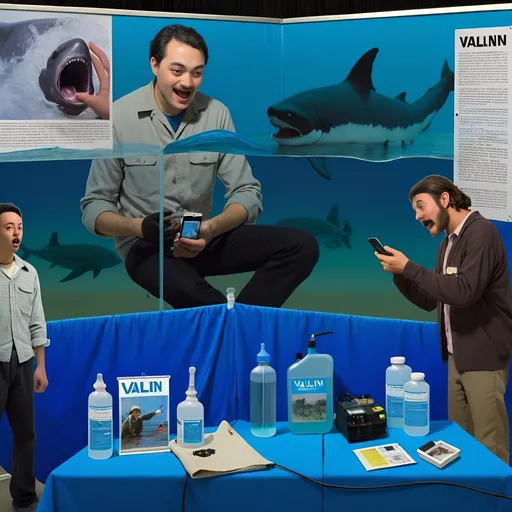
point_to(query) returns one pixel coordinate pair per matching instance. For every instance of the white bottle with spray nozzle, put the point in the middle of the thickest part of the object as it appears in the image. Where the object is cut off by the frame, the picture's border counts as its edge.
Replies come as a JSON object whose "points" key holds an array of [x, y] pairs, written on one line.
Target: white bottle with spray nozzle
{"points": [[190, 415], [100, 432]]}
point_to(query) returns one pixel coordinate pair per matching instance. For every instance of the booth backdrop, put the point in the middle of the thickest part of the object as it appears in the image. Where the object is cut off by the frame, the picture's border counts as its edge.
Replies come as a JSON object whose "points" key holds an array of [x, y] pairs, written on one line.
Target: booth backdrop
{"points": [[252, 67]]}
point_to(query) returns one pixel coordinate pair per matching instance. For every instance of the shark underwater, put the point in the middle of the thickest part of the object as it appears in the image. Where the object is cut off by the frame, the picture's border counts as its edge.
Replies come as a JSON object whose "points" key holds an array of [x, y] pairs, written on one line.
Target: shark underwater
{"points": [[328, 232], [68, 66], [79, 258], [352, 111]]}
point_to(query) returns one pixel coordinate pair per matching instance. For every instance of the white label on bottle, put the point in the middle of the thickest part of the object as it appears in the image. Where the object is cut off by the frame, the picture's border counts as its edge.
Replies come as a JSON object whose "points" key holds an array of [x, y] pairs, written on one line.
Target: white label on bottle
{"points": [[395, 390], [100, 426], [100, 412], [414, 396]]}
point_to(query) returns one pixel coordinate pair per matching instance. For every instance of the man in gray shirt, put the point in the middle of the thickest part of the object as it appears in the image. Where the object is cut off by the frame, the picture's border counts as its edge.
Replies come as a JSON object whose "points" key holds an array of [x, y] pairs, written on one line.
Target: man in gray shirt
{"points": [[122, 195], [22, 336]]}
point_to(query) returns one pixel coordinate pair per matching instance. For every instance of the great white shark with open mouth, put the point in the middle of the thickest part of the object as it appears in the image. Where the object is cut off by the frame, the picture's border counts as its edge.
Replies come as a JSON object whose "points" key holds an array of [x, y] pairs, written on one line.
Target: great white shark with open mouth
{"points": [[353, 112], [68, 67]]}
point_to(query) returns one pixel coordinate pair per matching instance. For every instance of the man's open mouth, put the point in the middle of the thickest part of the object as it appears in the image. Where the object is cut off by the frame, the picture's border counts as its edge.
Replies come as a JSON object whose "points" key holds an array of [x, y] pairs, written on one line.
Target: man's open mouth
{"points": [[429, 224], [74, 77], [16, 242], [182, 94]]}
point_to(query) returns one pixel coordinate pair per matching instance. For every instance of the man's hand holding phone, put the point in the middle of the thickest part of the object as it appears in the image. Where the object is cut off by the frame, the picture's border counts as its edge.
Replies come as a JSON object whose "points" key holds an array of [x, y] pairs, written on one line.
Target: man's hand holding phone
{"points": [[188, 247], [392, 261]]}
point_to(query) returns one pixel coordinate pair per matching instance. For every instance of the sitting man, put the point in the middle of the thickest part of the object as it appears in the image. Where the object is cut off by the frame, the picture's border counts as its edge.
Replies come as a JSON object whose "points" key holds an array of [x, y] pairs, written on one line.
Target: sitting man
{"points": [[122, 195]]}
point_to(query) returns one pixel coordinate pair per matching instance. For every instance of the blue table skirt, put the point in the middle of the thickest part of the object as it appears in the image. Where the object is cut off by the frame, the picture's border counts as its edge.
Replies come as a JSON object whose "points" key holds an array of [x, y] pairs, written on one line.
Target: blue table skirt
{"points": [[475, 467], [155, 481]]}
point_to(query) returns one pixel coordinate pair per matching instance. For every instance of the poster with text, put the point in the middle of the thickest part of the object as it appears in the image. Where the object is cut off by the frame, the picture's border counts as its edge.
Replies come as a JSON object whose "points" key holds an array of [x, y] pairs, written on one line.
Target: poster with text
{"points": [[143, 414], [482, 135], [55, 80]]}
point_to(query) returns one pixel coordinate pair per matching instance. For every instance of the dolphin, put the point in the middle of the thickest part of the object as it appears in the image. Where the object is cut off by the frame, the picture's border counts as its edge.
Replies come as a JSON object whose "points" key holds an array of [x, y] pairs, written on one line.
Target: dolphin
{"points": [[79, 258], [352, 111], [68, 67], [328, 232]]}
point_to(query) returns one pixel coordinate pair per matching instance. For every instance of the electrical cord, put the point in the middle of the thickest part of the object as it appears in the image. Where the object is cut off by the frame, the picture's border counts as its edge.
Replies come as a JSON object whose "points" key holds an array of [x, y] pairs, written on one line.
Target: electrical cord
{"points": [[388, 486], [363, 487]]}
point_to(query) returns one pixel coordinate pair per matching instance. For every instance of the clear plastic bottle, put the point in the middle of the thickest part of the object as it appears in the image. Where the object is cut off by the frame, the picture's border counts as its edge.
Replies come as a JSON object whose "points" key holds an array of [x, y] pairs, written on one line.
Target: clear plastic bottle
{"points": [[100, 433], [397, 375], [417, 406], [263, 396], [190, 415]]}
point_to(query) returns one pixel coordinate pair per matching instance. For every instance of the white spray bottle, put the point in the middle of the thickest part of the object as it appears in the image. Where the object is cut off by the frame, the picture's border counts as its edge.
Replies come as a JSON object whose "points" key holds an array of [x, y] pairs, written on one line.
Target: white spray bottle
{"points": [[190, 415], [100, 433]]}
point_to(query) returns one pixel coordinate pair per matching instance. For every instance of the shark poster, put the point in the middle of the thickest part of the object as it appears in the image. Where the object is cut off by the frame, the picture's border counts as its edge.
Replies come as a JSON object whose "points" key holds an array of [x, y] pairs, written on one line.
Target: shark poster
{"points": [[55, 80]]}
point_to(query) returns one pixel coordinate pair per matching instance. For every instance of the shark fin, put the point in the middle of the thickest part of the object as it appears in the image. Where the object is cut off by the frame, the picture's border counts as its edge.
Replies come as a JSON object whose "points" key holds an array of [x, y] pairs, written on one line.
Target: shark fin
{"points": [[318, 164], [346, 240], [360, 75], [427, 127], [333, 216], [347, 228], [400, 97], [96, 272], [72, 275], [54, 239], [447, 75]]}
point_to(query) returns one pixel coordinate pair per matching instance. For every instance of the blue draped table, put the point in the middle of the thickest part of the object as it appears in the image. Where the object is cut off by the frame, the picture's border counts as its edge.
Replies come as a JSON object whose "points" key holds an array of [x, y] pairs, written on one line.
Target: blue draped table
{"points": [[476, 466], [154, 481]]}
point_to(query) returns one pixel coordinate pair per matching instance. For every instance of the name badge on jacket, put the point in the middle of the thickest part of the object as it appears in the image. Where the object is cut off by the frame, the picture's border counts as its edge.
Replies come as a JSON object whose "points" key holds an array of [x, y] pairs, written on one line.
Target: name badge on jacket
{"points": [[451, 270]]}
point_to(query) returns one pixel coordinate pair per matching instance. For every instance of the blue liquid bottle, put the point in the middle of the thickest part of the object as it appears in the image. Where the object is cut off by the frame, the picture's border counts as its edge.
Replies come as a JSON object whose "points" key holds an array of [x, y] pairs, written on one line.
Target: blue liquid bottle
{"points": [[263, 397], [417, 406], [397, 375], [310, 392]]}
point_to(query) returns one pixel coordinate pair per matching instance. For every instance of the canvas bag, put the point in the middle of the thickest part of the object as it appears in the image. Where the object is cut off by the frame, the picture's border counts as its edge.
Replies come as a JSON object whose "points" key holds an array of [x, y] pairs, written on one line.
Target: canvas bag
{"points": [[232, 455]]}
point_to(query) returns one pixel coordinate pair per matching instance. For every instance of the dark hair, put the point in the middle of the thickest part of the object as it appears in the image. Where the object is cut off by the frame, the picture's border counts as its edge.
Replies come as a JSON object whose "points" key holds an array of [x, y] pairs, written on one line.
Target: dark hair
{"points": [[186, 35], [9, 207], [436, 185]]}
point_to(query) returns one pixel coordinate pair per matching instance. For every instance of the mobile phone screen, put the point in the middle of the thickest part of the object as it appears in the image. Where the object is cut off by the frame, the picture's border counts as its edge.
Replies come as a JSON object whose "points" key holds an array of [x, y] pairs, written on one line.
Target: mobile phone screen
{"points": [[190, 229]]}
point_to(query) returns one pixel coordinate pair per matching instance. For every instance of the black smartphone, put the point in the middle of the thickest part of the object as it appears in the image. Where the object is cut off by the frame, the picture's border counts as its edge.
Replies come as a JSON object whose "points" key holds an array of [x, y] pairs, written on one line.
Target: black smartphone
{"points": [[190, 224], [375, 243]]}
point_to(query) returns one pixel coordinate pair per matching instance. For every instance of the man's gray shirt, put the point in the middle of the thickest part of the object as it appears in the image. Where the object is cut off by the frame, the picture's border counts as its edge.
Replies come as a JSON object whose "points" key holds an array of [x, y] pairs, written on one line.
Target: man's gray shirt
{"points": [[22, 319], [130, 186]]}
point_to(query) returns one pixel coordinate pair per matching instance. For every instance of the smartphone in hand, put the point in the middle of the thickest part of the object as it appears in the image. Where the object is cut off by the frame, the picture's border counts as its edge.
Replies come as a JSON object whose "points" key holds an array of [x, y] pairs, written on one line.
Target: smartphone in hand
{"points": [[190, 224], [375, 243]]}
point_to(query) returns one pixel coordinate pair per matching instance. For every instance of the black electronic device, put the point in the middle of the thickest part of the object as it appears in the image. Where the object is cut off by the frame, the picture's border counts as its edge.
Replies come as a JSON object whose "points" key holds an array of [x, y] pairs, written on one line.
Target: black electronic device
{"points": [[190, 225], [360, 419], [375, 243]]}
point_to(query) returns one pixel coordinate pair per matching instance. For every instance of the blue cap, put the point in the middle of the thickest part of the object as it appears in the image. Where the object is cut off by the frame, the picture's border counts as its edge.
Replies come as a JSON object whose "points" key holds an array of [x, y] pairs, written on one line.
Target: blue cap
{"points": [[263, 356]]}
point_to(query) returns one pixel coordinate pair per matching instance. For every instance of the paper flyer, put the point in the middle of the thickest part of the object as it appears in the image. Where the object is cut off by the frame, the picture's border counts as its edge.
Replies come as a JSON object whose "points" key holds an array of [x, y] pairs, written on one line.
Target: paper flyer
{"points": [[383, 456], [143, 414]]}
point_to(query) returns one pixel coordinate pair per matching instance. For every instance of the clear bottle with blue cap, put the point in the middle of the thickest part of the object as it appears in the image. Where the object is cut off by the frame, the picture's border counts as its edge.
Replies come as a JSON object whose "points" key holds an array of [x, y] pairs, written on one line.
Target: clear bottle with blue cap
{"points": [[263, 396]]}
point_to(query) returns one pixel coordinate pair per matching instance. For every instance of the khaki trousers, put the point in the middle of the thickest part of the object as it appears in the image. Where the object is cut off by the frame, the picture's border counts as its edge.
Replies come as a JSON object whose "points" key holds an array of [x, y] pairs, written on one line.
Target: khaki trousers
{"points": [[476, 402]]}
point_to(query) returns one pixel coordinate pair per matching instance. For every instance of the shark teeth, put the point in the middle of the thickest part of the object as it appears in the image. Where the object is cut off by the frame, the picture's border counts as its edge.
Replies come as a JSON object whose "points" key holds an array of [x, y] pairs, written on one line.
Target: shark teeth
{"points": [[77, 59]]}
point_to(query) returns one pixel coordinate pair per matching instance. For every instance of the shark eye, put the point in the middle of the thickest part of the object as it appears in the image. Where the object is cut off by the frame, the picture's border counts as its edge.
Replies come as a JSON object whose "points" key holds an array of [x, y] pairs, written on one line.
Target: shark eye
{"points": [[291, 114]]}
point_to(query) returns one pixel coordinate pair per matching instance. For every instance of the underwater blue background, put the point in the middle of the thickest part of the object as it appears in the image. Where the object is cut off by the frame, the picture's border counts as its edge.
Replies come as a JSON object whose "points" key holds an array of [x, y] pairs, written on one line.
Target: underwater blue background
{"points": [[253, 66]]}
